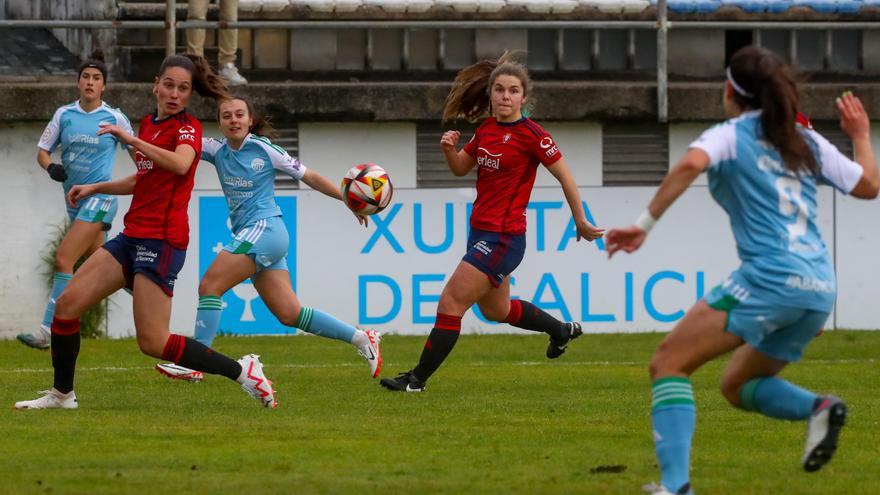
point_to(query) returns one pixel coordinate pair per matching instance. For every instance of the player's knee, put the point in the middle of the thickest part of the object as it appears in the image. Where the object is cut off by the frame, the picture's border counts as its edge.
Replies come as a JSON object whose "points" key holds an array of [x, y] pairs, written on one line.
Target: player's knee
{"points": [[288, 317], [67, 306], [207, 287], [494, 313], [730, 390], [150, 345], [64, 262]]}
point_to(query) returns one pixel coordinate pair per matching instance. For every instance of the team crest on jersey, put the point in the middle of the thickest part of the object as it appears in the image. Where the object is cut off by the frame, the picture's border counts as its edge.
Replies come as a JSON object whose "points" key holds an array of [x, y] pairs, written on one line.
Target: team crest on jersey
{"points": [[506, 138], [257, 164]]}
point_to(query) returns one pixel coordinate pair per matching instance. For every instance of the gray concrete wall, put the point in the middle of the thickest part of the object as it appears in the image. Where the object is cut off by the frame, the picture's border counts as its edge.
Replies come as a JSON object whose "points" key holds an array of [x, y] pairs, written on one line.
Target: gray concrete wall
{"points": [[80, 42]]}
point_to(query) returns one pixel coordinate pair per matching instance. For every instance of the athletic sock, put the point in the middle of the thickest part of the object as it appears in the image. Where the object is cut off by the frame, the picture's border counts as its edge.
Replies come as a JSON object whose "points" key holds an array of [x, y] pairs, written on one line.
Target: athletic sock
{"points": [[320, 323], [196, 356], [527, 316], [59, 282], [65, 349], [674, 417], [440, 342], [208, 319], [777, 398]]}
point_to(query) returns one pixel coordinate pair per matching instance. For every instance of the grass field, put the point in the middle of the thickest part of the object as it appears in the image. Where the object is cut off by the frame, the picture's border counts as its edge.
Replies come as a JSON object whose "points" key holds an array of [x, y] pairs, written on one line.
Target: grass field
{"points": [[497, 418]]}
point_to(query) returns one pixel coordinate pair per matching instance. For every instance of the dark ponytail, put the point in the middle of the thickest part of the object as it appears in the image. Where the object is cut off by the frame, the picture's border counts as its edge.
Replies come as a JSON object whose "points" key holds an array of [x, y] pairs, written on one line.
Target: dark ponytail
{"points": [[95, 61], [762, 81], [205, 80], [469, 96]]}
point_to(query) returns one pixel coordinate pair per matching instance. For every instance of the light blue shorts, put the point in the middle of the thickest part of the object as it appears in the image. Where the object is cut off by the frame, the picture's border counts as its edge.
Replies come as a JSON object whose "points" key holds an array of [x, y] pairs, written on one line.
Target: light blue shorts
{"points": [[265, 241], [780, 332], [95, 209]]}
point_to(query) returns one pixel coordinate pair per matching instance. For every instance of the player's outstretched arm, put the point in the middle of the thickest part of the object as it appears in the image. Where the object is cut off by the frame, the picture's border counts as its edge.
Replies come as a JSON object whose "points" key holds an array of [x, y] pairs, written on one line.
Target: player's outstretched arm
{"points": [[118, 187], [459, 162], [585, 229], [629, 239], [323, 185], [855, 123]]}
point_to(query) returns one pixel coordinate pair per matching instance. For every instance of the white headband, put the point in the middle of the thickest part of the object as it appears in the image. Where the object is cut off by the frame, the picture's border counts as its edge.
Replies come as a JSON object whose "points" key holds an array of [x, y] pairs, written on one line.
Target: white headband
{"points": [[736, 87]]}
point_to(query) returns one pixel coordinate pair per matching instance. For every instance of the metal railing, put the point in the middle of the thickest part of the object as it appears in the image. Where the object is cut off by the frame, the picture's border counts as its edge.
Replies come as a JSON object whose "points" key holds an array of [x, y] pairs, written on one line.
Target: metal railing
{"points": [[662, 25]]}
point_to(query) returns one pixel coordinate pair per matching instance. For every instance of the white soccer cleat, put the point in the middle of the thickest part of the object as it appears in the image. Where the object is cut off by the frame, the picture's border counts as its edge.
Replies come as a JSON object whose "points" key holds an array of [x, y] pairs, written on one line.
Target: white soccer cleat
{"points": [[254, 382], [41, 339], [371, 352], [823, 430], [176, 372], [659, 489], [51, 399], [230, 74]]}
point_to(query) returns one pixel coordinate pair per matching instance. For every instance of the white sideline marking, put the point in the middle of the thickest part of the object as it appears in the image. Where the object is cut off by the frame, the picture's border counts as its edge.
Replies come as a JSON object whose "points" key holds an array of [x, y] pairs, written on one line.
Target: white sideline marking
{"points": [[478, 364]]}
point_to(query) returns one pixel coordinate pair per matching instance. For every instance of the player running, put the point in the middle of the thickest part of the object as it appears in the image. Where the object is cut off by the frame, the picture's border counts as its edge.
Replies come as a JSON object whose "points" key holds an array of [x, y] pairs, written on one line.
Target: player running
{"points": [[763, 170], [86, 158], [150, 252], [246, 162], [506, 149]]}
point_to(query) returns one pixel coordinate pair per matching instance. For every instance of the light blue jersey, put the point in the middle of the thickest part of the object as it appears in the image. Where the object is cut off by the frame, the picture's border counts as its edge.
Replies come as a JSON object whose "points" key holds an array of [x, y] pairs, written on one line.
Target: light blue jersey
{"points": [[247, 176], [87, 157], [773, 213]]}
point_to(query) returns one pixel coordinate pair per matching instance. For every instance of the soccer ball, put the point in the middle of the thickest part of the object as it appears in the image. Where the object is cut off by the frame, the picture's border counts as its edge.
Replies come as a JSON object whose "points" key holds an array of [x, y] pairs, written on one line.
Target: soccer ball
{"points": [[367, 189]]}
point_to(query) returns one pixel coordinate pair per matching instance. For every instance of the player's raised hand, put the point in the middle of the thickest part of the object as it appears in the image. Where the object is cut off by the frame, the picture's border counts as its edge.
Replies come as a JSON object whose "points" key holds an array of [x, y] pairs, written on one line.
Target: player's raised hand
{"points": [[79, 192], [588, 231], [449, 140], [118, 132], [853, 118], [363, 220], [627, 239]]}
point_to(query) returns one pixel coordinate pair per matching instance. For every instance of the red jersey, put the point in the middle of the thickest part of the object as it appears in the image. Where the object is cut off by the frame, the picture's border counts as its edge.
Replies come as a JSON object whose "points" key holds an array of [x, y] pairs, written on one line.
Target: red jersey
{"points": [[507, 155], [160, 199]]}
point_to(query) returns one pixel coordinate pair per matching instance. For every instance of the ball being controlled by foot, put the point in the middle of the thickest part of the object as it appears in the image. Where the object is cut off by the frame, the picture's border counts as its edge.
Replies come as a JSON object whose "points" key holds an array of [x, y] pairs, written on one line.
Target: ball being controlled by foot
{"points": [[367, 189]]}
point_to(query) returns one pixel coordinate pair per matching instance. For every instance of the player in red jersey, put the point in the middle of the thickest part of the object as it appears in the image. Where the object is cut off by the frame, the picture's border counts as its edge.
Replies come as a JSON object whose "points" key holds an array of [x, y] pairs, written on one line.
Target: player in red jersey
{"points": [[506, 149], [150, 252]]}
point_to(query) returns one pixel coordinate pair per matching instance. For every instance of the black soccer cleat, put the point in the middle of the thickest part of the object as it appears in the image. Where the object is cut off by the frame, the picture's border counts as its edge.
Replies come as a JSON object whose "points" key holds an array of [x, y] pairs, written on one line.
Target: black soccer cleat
{"points": [[823, 430], [404, 382], [556, 348]]}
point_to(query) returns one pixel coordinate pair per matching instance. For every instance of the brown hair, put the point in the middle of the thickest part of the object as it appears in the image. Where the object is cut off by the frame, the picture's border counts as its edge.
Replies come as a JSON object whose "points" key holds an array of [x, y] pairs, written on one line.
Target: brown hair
{"points": [[205, 81], [469, 96], [262, 125], [95, 61], [771, 87]]}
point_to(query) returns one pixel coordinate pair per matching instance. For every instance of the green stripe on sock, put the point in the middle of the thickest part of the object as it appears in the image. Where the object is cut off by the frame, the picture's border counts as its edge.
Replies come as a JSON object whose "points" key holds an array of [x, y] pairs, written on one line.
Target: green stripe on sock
{"points": [[243, 248], [747, 394], [305, 319], [210, 302], [63, 276], [670, 391]]}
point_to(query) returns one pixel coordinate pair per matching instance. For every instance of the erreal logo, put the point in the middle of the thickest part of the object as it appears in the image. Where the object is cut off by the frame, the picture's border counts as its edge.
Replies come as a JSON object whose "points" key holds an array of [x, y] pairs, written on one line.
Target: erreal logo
{"points": [[488, 159], [257, 164], [506, 138], [141, 161]]}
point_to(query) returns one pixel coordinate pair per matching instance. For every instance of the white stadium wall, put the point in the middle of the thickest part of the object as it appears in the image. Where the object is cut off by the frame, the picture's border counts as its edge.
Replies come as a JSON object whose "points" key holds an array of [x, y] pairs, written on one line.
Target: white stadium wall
{"points": [[389, 276]]}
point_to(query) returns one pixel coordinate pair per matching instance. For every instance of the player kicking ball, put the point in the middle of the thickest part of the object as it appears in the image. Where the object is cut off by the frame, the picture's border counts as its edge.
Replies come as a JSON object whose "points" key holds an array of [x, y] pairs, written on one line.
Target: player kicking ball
{"points": [[246, 162]]}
